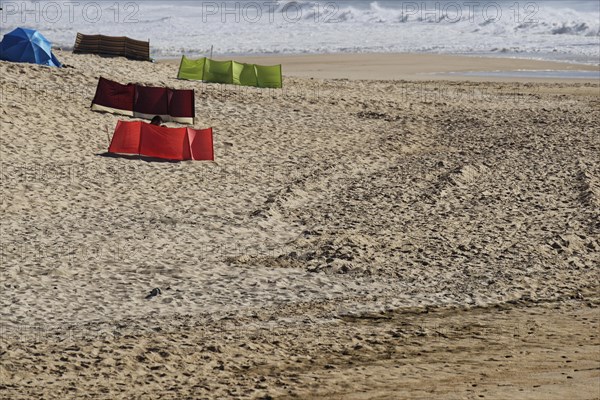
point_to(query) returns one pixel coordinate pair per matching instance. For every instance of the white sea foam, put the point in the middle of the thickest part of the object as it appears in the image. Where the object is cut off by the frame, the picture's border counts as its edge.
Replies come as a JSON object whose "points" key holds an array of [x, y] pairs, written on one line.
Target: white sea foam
{"points": [[551, 30]]}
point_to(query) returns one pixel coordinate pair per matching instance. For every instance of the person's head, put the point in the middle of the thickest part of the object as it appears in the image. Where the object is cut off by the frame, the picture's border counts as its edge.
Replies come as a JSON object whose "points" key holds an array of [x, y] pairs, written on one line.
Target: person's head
{"points": [[157, 120]]}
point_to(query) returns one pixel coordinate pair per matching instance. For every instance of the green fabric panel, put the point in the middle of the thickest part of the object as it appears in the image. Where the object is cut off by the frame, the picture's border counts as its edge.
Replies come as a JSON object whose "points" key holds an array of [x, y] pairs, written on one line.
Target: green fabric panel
{"points": [[248, 75], [236, 70], [269, 77], [218, 71], [244, 74], [191, 69]]}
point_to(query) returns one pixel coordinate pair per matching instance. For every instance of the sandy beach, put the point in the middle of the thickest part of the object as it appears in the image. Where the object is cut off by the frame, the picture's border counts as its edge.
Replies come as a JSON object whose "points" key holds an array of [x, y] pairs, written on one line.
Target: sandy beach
{"points": [[413, 67], [420, 235]]}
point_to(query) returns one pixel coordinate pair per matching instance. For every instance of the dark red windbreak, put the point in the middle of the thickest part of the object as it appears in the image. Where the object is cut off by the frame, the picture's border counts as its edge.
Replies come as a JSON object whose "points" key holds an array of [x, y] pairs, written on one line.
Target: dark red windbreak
{"points": [[137, 137], [151, 100], [126, 139], [114, 95], [181, 103], [176, 105]]}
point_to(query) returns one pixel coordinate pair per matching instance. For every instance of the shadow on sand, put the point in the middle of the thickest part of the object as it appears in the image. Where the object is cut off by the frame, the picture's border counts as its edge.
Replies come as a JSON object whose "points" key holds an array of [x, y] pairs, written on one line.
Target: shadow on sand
{"points": [[138, 157]]}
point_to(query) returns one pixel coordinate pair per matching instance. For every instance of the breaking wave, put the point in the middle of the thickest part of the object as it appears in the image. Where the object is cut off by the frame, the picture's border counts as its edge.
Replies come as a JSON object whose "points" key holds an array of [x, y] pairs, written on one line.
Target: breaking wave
{"points": [[569, 31]]}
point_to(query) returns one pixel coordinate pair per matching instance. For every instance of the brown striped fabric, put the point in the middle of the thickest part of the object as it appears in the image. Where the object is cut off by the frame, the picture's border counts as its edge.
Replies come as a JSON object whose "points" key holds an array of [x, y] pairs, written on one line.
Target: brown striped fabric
{"points": [[119, 46]]}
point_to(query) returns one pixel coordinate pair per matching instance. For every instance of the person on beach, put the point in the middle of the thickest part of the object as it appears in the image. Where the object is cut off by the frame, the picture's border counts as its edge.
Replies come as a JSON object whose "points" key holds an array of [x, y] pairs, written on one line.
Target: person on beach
{"points": [[157, 120]]}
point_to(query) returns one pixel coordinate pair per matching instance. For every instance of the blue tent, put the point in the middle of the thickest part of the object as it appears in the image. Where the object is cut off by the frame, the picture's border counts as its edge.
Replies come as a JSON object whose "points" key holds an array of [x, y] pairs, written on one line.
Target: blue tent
{"points": [[27, 45]]}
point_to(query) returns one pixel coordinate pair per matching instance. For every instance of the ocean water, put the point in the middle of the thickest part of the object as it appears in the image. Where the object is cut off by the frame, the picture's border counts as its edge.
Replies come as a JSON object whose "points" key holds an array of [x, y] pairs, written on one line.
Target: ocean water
{"points": [[556, 30]]}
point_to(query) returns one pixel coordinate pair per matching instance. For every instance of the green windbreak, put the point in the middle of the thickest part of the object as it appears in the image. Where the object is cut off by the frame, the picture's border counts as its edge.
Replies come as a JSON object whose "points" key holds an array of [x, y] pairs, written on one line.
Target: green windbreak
{"points": [[269, 77], [218, 71], [244, 74], [230, 72], [191, 69]]}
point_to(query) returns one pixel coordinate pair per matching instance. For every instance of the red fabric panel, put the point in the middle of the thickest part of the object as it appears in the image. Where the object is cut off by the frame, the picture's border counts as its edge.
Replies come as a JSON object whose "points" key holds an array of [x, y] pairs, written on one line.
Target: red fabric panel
{"points": [[151, 100], [113, 94], [187, 150], [126, 139], [162, 142], [201, 144], [181, 103], [137, 137]]}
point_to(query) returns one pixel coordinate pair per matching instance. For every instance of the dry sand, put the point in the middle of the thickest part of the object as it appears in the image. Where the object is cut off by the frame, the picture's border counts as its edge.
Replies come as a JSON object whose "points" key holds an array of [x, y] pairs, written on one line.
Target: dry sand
{"points": [[355, 239]]}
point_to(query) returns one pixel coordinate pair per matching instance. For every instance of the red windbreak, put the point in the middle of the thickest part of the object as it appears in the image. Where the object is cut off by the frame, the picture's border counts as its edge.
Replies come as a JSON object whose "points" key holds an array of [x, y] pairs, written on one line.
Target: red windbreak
{"points": [[159, 142], [126, 139], [137, 137], [201, 144]]}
